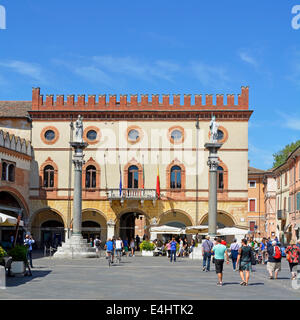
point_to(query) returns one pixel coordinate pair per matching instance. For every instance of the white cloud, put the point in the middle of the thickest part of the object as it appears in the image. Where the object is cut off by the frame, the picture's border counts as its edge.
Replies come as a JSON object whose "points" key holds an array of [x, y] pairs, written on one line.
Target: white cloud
{"points": [[262, 156], [290, 121], [31, 70], [132, 67], [209, 75], [246, 57]]}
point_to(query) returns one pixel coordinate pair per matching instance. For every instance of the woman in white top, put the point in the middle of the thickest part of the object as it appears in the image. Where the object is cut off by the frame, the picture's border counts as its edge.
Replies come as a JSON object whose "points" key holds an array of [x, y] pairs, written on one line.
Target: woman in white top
{"points": [[132, 246]]}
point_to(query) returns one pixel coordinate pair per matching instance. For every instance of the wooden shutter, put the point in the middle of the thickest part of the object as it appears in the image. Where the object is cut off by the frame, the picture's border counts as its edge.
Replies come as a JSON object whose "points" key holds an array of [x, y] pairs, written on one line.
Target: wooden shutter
{"points": [[252, 205]]}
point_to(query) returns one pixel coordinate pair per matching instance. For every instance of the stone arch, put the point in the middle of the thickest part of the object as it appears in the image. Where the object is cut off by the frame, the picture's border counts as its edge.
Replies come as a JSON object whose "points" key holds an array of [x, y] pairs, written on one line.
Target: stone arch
{"points": [[176, 215], [223, 218], [90, 214], [19, 198], [125, 214], [41, 216]]}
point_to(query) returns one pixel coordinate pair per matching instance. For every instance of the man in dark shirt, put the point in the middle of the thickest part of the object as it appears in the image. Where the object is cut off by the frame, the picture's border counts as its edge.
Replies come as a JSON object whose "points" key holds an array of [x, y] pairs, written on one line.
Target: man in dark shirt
{"points": [[273, 265], [207, 246]]}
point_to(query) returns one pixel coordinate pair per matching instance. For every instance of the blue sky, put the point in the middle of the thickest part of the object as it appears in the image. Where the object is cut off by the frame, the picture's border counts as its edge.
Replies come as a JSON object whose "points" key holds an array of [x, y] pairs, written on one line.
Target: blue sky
{"points": [[158, 47]]}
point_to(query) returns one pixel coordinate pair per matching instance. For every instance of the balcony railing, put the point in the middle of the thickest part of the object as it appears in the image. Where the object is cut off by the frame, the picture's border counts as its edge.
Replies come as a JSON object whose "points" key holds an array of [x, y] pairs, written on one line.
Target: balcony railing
{"points": [[281, 214], [132, 194]]}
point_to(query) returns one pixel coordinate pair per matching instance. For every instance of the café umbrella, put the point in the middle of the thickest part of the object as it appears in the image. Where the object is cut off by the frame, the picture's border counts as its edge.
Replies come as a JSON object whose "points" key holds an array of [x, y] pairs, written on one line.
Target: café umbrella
{"points": [[9, 221]]}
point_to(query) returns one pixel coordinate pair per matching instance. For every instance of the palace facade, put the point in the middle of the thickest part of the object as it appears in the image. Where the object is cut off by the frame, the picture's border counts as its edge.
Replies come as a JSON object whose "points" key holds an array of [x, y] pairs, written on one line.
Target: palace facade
{"points": [[129, 141]]}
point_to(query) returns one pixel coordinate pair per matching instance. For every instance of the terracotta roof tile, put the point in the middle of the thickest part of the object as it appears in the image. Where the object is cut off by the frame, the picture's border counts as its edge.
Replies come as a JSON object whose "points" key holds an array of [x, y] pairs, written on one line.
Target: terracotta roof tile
{"points": [[17, 109]]}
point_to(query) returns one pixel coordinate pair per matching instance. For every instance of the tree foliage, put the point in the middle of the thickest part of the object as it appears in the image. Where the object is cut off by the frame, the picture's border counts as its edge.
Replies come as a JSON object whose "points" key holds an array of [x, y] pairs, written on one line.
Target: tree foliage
{"points": [[281, 156]]}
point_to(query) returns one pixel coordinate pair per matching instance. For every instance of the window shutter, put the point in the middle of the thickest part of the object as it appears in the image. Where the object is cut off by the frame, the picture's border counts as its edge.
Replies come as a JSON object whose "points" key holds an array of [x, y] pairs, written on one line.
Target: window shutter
{"points": [[298, 201]]}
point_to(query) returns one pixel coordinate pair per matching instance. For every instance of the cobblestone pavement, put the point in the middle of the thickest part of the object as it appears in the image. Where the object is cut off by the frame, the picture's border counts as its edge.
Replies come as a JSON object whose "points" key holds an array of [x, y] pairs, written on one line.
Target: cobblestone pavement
{"points": [[153, 278]]}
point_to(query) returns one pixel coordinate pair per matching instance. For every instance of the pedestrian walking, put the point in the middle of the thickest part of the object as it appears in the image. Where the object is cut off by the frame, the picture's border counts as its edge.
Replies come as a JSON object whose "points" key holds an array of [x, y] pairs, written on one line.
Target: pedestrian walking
{"points": [[168, 246], [263, 250], [220, 251], [244, 262], [292, 256], [234, 251], [137, 240], [97, 243], [180, 253], [173, 247], [274, 260], [28, 242], [125, 246], [132, 247], [207, 246]]}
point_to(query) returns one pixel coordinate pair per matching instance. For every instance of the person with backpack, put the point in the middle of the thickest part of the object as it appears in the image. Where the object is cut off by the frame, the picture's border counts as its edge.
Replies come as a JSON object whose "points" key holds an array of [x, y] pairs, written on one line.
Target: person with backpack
{"points": [[234, 251], [244, 261], [97, 243], [274, 260], [292, 256]]}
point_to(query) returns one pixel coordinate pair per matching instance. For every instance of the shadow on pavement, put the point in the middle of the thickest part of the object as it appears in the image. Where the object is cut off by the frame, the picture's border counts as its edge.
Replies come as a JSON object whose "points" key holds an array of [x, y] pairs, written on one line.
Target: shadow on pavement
{"points": [[17, 281]]}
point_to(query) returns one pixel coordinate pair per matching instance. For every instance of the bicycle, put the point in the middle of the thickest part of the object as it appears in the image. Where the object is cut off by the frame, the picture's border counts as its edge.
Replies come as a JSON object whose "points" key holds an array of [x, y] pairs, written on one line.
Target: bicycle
{"points": [[109, 258], [119, 254]]}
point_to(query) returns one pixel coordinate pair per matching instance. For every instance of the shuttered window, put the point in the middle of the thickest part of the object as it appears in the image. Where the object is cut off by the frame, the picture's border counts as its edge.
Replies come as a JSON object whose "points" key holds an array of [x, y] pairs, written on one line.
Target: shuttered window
{"points": [[252, 205]]}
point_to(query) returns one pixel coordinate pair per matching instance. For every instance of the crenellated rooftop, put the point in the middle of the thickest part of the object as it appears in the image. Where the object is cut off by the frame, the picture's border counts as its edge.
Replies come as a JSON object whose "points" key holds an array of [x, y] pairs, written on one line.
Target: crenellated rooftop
{"points": [[15, 143], [197, 102]]}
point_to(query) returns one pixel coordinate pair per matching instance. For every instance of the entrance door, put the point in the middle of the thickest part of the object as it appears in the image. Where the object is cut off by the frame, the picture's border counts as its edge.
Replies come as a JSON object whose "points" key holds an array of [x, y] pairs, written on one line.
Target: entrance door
{"points": [[131, 225]]}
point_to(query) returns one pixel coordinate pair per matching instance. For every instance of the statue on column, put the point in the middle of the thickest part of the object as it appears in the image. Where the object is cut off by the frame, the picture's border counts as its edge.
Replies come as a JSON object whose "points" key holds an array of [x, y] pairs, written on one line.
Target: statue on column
{"points": [[79, 130], [213, 126]]}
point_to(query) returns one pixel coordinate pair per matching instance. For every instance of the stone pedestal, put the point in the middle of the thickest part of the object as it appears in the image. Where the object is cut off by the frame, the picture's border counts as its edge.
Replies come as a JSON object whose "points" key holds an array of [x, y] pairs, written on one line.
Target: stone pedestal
{"points": [[213, 164], [75, 247]]}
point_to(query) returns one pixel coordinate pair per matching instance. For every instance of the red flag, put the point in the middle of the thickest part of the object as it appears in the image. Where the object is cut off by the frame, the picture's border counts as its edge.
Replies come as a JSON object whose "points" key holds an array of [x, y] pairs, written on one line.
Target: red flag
{"points": [[158, 184]]}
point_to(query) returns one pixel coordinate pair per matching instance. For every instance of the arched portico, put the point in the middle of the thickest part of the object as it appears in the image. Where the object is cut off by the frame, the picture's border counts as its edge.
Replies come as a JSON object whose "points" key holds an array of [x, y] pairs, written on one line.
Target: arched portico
{"points": [[224, 219], [176, 218], [48, 227]]}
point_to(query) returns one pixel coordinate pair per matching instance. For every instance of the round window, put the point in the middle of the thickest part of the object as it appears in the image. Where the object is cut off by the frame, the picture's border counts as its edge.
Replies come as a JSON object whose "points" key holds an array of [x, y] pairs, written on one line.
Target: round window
{"points": [[91, 135], [133, 135], [220, 135], [176, 135], [49, 135]]}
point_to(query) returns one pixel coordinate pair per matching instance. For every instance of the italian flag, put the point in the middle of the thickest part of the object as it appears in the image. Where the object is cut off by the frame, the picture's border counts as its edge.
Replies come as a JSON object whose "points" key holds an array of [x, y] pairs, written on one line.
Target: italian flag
{"points": [[158, 184]]}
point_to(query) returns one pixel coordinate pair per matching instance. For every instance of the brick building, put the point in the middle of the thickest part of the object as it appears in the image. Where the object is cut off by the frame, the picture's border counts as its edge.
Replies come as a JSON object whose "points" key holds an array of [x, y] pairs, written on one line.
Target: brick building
{"points": [[136, 138]]}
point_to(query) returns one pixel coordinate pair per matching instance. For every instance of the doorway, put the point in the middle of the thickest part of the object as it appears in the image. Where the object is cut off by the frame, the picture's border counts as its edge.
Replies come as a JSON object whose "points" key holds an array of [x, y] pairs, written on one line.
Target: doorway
{"points": [[133, 224]]}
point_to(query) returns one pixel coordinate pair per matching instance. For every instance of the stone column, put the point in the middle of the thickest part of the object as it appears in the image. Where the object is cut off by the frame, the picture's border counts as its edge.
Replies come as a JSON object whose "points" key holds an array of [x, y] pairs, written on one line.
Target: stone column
{"points": [[110, 229], [213, 164], [76, 246]]}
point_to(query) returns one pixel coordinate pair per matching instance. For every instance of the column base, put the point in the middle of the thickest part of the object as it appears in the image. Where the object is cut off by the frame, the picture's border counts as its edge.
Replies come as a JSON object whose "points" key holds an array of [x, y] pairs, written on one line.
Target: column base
{"points": [[75, 248]]}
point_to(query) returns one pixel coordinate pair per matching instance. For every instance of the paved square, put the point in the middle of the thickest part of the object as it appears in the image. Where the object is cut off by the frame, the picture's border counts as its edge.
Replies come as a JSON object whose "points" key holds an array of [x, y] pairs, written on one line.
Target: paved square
{"points": [[153, 278]]}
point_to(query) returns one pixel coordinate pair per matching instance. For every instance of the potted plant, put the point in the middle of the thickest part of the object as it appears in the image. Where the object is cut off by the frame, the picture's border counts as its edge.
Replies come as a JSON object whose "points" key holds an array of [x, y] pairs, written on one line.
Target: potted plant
{"points": [[3, 254], [19, 257], [147, 248]]}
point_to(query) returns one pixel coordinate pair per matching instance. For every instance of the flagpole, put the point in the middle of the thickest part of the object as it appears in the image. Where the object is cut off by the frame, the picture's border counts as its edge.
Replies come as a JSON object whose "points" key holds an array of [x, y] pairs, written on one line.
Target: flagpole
{"points": [[143, 173], [105, 171]]}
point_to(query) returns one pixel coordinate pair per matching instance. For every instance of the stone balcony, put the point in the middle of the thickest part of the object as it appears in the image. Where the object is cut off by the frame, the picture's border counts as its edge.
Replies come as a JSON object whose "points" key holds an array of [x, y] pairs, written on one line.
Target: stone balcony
{"points": [[132, 194]]}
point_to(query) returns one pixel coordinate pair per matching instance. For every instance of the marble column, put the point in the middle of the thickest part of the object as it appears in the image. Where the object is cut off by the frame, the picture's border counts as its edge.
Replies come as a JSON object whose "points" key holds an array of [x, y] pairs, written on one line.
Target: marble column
{"points": [[110, 229], [76, 246], [213, 164]]}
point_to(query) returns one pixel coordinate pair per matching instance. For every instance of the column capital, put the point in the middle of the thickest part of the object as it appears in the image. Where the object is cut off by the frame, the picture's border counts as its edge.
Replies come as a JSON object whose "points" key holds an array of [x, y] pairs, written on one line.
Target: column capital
{"points": [[213, 164]]}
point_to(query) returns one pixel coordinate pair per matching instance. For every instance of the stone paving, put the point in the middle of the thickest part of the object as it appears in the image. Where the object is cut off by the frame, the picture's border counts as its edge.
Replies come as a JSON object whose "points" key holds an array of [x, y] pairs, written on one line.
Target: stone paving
{"points": [[139, 278]]}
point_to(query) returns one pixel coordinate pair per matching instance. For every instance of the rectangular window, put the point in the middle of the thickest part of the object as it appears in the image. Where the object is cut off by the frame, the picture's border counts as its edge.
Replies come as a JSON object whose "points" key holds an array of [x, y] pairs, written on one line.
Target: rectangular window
{"points": [[252, 184], [252, 205], [289, 204], [298, 201], [278, 182], [285, 179], [284, 203], [252, 225]]}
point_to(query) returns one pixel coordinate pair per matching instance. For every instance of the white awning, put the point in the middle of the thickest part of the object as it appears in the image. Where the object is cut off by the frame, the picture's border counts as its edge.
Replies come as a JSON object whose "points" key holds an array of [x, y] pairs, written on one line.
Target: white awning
{"points": [[167, 230], [231, 231], [203, 229], [6, 220]]}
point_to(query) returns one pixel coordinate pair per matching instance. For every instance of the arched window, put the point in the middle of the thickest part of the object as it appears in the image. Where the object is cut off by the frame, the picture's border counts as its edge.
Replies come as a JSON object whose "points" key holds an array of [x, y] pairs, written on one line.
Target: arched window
{"points": [[175, 182], [11, 173], [133, 177], [4, 168], [48, 177], [90, 177], [220, 178]]}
